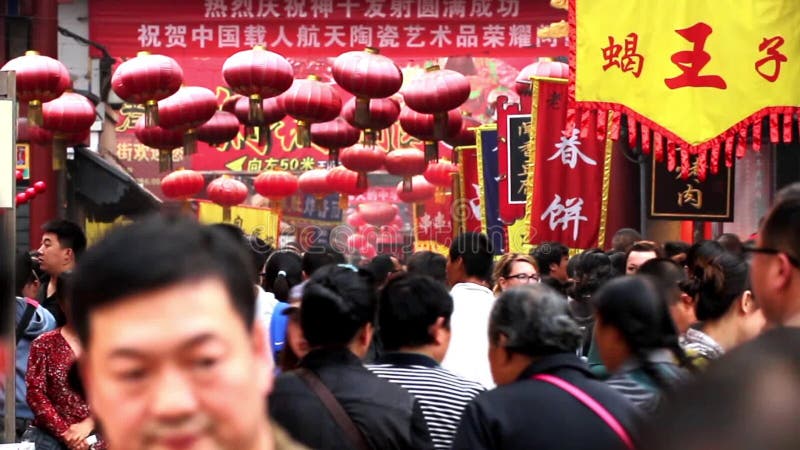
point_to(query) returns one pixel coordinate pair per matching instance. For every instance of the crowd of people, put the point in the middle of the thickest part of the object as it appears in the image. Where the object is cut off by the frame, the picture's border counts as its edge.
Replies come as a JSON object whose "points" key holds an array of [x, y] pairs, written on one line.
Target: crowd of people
{"points": [[172, 334]]}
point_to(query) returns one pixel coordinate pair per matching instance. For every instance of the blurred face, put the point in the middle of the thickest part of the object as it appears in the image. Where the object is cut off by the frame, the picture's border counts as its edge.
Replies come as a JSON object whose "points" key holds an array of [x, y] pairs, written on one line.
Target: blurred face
{"points": [[771, 278], [53, 258], [559, 272], [161, 374], [611, 346], [636, 259], [520, 273], [454, 271]]}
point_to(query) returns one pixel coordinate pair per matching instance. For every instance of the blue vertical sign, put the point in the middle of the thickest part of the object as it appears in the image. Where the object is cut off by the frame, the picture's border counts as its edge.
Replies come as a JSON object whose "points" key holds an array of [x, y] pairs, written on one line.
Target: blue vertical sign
{"points": [[489, 169]]}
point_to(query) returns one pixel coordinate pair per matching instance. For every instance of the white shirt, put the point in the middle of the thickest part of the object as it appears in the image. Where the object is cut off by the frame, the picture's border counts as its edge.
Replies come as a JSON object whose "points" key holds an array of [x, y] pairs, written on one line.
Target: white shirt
{"points": [[468, 354]]}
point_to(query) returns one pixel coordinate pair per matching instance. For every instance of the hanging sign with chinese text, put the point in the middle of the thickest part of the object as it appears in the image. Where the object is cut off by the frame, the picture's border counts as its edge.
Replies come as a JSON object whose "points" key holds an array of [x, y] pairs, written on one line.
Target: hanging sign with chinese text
{"points": [[568, 176], [697, 74], [468, 211], [433, 225], [491, 225], [306, 208], [675, 198], [513, 134], [259, 222]]}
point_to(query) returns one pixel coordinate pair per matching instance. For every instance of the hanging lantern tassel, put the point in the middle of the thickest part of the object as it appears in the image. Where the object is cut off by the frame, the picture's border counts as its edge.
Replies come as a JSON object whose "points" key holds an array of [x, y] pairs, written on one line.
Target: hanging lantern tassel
{"points": [[440, 125], [439, 195], [343, 201], [303, 134], [189, 142], [319, 203], [371, 136], [431, 151], [407, 186], [59, 153], [226, 214], [256, 112], [35, 112], [362, 111], [361, 181], [150, 113], [333, 157], [165, 160]]}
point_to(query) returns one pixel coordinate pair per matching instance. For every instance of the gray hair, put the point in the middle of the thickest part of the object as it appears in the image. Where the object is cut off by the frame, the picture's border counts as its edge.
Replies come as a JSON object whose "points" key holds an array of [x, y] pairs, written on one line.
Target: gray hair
{"points": [[535, 320]]}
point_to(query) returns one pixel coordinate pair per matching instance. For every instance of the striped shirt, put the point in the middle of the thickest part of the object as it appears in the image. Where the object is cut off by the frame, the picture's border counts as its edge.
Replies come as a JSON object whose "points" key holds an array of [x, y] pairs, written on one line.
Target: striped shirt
{"points": [[442, 395]]}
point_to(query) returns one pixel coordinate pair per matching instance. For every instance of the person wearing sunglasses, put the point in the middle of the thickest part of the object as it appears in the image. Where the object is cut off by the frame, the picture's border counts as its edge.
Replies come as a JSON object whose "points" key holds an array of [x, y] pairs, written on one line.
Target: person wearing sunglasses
{"points": [[775, 262], [514, 269]]}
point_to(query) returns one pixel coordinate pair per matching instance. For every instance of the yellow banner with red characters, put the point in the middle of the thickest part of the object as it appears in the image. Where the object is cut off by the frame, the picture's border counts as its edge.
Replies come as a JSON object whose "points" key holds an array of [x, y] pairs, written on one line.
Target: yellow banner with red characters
{"points": [[697, 72], [259, 222]]}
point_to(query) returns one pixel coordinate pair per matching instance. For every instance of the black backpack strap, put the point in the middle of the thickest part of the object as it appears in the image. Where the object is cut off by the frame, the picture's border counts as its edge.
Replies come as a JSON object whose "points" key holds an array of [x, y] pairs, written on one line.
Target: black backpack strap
{"points": [[341, 417], [30, 308]]}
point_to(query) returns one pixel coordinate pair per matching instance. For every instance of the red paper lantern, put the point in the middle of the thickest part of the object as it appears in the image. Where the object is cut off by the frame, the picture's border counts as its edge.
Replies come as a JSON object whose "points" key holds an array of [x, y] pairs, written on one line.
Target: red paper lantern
{"points": [[161, 139], [377, 213], [356, 241], [334, 135], [441, 173], [422, 127], [405, 162], [22, 198], [226, 192], [465, 136], [20, 175], [421, 191], [315, 182], [437, 92], [275, 185], [367, 251], [272, 111], [222, 127], [311, 101], [389, 235], [383, 112], [355, 220], [30, 192], [363, 159], [146, 79], [544, 67], [69, 113], [366, 75], [257, 74], [39, 186], [39, 79], [229, 105], [187, 109], [182, 184], [345, 182]]}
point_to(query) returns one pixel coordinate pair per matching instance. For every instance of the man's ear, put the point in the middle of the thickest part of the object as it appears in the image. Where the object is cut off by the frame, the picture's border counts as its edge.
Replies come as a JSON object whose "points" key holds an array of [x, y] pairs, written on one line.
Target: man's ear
{"points": [[747, 304], [687, 300], [438, 330]]}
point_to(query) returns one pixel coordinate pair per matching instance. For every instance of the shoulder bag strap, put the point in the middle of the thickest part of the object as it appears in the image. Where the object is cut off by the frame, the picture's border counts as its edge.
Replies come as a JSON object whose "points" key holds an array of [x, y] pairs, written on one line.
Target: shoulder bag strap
{"points": [[333, 406], [590, 403], [27, 315]]}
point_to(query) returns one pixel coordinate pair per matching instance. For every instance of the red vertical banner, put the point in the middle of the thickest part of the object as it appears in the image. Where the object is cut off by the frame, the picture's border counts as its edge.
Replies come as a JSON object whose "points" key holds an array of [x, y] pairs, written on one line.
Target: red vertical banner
{"points": [[568, 175], [468, 204], [433, 225], [513, 134]]}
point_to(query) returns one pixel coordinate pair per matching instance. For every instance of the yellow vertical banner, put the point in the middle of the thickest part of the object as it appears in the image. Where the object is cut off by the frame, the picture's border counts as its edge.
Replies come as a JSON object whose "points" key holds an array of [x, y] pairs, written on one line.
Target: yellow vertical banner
{"points": [[260, 222]]}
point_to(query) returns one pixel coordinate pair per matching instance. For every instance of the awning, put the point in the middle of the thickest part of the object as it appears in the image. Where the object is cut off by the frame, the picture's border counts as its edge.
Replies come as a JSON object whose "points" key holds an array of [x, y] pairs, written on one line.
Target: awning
{"points": [[105, 190]]}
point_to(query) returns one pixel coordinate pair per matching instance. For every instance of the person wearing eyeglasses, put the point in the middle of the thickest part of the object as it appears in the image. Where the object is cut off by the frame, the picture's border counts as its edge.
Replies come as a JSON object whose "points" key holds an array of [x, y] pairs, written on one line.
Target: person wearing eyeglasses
{"points": [[514, 269], [776, 260]]}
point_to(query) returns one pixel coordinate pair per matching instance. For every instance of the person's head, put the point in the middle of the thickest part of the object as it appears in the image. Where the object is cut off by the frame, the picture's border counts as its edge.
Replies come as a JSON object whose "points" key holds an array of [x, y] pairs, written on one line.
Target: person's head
{"points": [[164, 309], [631, 321], [514, 269], [624, 238], [428, 263], [527, 323], [281, 273], [776, 262], [592, 270], [338, 309], [414, 315], [618, 260], [27, 278], [237, 235], [471, 258], [721, 289], [62, 244], [259, 252], [670, 276], [731, 243], [320, 256], [383, 266], [701, 253], [749, 399], [676, 251], [551, 259], [639, 253]]}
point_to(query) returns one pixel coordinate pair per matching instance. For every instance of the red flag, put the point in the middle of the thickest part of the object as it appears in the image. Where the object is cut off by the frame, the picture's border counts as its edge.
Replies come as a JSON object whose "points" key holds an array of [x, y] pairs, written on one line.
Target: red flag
{"points": [[468, 208]]}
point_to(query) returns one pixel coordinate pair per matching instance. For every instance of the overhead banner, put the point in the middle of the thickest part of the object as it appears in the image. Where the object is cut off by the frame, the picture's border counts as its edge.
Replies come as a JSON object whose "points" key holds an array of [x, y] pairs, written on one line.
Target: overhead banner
{"points": [[433, 225], [259, 222], [326, 28], [491, 225], [513, 134], [468, 210], [568, 174], [697, 73]]}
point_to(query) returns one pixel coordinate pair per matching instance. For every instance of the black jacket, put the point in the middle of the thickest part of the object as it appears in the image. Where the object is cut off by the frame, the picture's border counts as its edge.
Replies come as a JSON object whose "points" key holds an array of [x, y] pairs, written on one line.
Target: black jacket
{"points": [[532, 414], [387, 415]]}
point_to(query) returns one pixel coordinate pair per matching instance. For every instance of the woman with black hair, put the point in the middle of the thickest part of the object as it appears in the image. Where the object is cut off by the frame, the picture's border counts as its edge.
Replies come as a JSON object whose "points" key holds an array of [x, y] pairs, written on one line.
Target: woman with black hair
{"points": [[337, 317], [637, 340], [729, 313]]}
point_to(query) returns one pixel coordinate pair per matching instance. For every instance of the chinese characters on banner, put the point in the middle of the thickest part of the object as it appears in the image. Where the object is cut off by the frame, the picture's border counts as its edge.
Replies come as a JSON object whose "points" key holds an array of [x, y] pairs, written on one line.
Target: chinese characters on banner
{"points": [[675, 198], [433, 225], [569, 175], [308, 208], [514, 132], [325, 28], [468, 210], [259, 222], [699, 75], [491, 225]]}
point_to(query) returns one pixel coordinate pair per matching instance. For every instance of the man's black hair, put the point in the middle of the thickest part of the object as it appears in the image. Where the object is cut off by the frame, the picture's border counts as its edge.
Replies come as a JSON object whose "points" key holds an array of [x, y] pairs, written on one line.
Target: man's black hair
{"points": [[319, 256], [26, 272], [624, 238], [408, 306], [381, 267], [156, 253], [667, 274], [549, 253], [69, 235], [428, 263], [476, 251]]}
